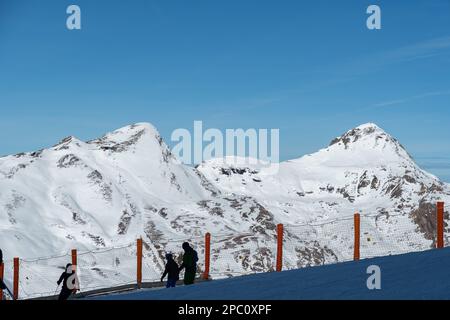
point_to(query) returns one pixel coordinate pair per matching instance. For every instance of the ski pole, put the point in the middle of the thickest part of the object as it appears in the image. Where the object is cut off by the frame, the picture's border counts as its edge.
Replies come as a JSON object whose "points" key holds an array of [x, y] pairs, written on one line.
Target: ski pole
{"points": [[56, 290], [9, 291], [3, 284]]}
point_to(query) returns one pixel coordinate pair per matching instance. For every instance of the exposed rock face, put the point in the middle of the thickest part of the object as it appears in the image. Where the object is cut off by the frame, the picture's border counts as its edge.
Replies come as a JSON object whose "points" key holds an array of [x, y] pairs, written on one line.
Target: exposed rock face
{"points": [[426, 220]]}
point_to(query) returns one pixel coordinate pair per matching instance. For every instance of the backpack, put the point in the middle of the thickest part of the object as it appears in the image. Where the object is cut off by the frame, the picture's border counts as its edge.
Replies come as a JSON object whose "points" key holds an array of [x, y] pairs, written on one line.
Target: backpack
{"points": [[190, 259], [195, 257]]}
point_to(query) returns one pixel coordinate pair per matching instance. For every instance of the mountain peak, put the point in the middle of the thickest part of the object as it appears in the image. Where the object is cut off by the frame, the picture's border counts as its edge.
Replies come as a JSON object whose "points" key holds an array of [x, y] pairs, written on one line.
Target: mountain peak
{"points": [[369, 125], [68, 143], [366, 132], [128, 135], [370, 142], [132, 130], [141, 139]]}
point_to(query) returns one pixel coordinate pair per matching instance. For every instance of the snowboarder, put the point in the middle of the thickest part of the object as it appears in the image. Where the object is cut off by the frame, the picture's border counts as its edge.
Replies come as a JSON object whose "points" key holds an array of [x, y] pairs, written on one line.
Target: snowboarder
{"points": [[1, 256], [172, 272], [69, 283], [190, 259]]}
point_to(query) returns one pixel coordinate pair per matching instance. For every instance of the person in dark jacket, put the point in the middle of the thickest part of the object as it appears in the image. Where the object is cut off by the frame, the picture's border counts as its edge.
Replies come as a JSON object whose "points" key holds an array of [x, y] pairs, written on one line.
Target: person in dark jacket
{"points": [[2, 285], [171, 271], [69, 283], [190, 259]]}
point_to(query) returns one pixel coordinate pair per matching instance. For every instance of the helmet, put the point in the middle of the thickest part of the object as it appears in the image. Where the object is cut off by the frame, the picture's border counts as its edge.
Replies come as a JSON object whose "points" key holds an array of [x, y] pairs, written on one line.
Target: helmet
{"points": [[169, 256]]}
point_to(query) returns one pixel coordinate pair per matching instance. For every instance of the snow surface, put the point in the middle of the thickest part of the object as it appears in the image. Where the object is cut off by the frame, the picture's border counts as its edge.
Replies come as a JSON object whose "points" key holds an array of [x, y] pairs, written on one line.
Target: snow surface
{"points": [[417, 276]]}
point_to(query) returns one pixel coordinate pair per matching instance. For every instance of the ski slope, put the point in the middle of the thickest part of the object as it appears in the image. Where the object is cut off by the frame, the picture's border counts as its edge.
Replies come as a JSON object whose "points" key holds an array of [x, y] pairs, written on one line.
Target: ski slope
{"points": [[421, 276]]}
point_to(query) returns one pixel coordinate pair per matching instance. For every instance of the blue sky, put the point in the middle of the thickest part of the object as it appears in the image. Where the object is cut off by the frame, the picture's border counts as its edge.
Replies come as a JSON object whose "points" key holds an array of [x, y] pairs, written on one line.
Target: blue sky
{"points": [[310, 68]]}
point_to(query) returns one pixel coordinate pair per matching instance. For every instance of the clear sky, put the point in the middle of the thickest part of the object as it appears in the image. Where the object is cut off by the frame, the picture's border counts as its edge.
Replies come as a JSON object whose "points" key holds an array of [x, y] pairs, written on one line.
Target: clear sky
{"points": [[310, 68]]}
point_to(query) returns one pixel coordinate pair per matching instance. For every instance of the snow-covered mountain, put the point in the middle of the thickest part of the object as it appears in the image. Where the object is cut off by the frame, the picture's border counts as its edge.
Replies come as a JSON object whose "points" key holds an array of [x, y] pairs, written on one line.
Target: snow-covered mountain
{"points": [[109, 191], [365, 169]]}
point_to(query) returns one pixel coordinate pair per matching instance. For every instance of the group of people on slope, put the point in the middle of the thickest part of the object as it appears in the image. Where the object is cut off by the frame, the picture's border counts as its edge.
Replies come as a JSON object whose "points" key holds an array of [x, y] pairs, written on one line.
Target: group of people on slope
{"points": [[189, 264], [69, 280]]}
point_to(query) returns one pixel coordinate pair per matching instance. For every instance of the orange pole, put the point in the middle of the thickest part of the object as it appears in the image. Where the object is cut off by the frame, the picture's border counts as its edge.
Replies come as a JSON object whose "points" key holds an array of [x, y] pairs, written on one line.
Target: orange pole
{"points": [[16, 279], [139, 263], [74, 264], [207, 256], [280, 232], [440, 225], [357, 223], [74, 258], [2, 268]]}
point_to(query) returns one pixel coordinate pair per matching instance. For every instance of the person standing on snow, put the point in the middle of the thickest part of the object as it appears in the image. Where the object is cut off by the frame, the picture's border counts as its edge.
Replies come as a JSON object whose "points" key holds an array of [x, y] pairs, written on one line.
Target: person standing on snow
{"points": [[190, 259], [172, 272], [69, 281], [2, 285]]}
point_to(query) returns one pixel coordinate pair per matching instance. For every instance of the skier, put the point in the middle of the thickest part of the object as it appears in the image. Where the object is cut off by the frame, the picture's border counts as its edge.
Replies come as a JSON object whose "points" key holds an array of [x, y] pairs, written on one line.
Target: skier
{"points": [[2, 285], [190, 259], [172, 272], [68, 275]]}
